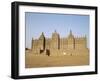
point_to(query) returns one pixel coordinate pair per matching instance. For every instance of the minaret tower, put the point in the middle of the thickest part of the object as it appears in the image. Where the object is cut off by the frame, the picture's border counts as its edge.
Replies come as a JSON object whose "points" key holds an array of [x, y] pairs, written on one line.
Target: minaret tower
{"points": [[55, 40], [71, 41], [42, 41]]}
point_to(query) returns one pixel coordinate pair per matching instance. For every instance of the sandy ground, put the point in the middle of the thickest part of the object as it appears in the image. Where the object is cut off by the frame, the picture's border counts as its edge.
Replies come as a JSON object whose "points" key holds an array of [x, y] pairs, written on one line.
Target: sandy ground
{"points": [[32, 61]]}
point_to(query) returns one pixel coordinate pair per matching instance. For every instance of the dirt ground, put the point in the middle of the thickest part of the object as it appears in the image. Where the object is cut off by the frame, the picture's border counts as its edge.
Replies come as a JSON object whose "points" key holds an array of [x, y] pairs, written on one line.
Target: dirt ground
{"points": [[32, 61]]}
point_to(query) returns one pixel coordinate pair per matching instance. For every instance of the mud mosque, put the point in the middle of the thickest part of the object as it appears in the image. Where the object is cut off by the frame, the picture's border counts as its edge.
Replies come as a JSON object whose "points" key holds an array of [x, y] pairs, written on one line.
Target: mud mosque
{"points": [[69, 45]]}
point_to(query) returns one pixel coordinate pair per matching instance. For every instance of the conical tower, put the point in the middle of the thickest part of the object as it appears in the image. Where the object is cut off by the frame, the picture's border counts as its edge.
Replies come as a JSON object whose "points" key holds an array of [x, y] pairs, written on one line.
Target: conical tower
{"points": [[71, 35], [71, 41], [42, 41], [55, 40]]}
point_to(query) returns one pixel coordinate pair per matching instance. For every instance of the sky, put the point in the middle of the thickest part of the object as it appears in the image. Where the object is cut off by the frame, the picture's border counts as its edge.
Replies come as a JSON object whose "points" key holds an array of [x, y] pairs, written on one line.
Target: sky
{"points": [[36, 23]]}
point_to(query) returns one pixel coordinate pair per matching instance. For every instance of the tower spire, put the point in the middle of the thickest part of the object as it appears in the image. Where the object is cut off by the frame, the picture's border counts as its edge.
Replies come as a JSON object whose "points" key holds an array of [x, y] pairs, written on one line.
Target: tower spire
{"points": [[70, 32], [55, 31], [42, 35]]}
